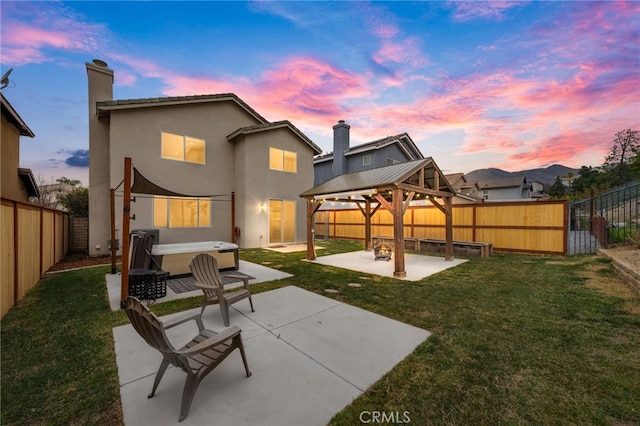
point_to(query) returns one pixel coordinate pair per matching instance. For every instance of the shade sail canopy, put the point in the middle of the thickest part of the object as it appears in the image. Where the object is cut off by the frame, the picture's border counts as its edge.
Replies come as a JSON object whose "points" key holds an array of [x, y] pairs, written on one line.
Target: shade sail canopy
{"points": [[142, 185]]}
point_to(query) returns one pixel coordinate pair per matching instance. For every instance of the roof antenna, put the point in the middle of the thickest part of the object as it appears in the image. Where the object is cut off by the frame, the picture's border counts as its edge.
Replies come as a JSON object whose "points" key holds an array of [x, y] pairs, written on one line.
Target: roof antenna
{"points": [[4, 82]]}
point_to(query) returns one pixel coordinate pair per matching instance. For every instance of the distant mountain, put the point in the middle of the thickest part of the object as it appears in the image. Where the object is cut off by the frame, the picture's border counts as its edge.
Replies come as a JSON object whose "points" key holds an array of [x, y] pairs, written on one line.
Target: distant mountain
{"points": [[543, 175]]}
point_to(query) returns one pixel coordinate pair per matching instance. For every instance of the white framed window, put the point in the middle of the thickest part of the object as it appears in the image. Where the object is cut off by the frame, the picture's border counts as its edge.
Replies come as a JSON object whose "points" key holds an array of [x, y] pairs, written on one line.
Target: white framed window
{"points": [[183, 148], [178, 212], [284, 161], [366, 160]]}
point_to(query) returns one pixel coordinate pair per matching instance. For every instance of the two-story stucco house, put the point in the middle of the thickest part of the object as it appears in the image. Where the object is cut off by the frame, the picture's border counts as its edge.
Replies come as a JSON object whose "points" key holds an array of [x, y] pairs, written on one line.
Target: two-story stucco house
{"points": [[508, 189], [16, 183], [345, 159], [245, 172]]}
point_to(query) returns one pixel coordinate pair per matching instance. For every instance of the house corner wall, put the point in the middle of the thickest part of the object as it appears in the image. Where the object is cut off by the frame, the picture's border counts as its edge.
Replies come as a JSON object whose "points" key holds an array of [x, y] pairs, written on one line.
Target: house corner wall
{"points": [[10, 155]]}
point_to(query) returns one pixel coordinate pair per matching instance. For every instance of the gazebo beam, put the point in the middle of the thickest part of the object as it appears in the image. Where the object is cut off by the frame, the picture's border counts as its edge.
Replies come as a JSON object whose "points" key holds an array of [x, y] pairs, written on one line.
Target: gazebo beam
{"points": [[419, 190]]}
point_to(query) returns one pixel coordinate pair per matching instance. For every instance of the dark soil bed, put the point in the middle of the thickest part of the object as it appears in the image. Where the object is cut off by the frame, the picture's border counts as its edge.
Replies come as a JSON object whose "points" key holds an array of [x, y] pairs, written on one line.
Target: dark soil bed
{"points": [[81, 260]]}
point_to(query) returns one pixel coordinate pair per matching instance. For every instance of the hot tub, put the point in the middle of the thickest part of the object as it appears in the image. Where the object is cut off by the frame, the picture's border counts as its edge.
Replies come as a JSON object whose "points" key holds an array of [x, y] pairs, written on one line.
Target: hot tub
{"points": [[175, 258]]}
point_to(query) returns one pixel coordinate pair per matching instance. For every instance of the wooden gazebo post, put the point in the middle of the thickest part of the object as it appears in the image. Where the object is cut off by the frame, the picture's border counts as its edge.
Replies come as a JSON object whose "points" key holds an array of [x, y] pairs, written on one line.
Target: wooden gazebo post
{"points": [[312, 208], [368, 214], [398, 233], [126, 216], [448, 217]]}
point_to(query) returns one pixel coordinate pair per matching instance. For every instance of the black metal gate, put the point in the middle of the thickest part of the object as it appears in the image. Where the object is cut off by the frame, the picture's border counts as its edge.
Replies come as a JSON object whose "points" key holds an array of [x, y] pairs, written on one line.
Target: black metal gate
{"points": [[604, 220]]}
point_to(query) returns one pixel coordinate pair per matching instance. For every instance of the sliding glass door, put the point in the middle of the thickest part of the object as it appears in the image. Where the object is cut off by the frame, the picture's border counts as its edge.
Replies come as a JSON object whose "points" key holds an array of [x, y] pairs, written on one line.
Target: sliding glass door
{"points": [[282, 222]]}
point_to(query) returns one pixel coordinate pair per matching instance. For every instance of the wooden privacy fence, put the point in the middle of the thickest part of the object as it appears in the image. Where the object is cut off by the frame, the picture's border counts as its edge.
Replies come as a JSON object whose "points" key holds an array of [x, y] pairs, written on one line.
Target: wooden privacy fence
{"points": [[33, 238], [528, 227]]}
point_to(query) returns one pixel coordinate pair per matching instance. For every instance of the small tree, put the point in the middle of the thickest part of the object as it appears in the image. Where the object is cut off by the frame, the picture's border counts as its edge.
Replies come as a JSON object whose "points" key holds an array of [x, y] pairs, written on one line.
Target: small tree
{"points": [[625, 145], [66, 181], [45, 198], [76, 202], [558, 189], [588, 179]]}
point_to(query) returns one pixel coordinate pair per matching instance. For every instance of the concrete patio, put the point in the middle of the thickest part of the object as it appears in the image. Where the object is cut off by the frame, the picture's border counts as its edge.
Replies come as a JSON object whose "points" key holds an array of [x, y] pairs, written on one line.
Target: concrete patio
{"points": [[310, 357], [417, 266]]}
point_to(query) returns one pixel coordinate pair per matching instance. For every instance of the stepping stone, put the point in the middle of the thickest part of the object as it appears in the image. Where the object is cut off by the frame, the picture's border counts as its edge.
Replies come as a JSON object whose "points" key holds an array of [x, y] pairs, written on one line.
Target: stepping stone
{"points": [[331, 290], [356, 285]]}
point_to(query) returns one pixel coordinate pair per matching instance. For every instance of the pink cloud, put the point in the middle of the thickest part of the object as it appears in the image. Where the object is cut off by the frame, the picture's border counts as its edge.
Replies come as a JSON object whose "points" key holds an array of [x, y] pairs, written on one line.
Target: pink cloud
{"points": [[307, 87], [466, 10], [564, 148], [30, 33], [405, 51]]}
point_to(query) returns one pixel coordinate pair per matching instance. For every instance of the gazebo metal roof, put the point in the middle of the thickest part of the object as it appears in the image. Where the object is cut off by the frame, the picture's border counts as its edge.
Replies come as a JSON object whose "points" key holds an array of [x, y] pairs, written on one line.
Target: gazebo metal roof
{"points": [[423, 176]]}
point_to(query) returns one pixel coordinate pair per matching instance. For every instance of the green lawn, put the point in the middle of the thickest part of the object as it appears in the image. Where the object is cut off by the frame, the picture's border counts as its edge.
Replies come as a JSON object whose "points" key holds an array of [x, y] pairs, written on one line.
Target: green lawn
{"points": [[516, 340]]}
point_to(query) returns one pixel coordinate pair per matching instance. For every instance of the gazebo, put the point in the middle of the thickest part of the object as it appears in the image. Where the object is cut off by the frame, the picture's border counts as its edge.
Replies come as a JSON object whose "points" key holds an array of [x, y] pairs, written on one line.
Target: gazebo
{"points": [[392, 188]]}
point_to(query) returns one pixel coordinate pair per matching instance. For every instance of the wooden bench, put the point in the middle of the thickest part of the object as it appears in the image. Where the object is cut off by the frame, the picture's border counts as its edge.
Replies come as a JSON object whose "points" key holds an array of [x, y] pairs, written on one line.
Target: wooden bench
{"points": [[465, 248], [428, 245]]}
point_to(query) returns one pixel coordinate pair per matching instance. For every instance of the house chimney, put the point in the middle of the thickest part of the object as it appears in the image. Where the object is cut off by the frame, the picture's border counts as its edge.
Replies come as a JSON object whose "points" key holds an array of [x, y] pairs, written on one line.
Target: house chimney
{"points": [[340, 146], [100, 80]]}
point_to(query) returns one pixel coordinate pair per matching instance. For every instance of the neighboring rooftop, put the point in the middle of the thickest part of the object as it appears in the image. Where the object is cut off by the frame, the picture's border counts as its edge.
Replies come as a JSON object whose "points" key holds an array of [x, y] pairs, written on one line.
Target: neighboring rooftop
{"points": [[14, 118], [403, 140]]}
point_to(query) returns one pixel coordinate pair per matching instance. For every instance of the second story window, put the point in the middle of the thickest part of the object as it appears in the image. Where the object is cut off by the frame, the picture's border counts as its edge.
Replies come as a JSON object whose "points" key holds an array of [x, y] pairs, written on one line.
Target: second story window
{"points": [[183, 148], [284, 161], [366, 160]]}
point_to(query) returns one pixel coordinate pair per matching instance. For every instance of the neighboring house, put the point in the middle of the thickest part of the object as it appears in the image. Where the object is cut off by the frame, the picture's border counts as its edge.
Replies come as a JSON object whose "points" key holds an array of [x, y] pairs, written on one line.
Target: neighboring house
{"points": [[50, 194], [15, 183], [466, 191], [537, 189], [213, 146], [472, 189], [508, 189], [379, 153]]}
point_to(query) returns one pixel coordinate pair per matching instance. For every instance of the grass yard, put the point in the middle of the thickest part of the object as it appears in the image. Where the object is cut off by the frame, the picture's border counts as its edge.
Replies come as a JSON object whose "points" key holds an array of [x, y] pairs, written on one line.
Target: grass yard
{"points": [[516, 340]]}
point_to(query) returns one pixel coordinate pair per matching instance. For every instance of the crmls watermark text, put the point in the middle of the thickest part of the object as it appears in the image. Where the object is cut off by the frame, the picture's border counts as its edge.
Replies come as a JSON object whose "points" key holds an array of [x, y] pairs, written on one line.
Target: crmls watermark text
{"points": [[385, 417]]}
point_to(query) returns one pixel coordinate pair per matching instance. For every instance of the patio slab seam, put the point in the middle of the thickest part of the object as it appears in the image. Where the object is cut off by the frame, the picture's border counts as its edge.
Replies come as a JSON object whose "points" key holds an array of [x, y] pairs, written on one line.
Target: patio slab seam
{"points": [[273, 332]]}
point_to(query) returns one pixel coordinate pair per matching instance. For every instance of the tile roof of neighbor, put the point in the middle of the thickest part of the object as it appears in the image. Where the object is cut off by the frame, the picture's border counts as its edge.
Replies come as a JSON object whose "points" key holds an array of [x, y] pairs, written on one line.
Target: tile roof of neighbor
{"points": [[453, 177], [375, 178], [173, 100], [376, 144], [275, 125], [469, 184], [14, 118], [508, 182]]}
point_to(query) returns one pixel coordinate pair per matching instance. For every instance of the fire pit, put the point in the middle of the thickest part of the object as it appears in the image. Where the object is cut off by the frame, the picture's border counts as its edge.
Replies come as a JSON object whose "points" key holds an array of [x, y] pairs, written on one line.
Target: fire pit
{"points": [[382, 251]]}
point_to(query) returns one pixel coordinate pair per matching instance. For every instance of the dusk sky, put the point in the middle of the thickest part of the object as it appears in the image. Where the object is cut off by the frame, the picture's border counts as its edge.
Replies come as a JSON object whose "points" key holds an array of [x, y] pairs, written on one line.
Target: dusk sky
{"points": [[506, 84]]}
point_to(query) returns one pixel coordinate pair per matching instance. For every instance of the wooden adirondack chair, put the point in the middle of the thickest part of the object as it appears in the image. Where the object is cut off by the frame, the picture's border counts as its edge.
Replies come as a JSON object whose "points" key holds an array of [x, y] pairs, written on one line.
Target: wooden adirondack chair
{"points": [[197, 358], [204, 268]]}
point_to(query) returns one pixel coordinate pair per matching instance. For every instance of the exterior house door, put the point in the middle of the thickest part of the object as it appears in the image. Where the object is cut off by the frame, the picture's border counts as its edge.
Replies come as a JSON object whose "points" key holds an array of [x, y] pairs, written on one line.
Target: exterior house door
{"points": [[282, 221]]}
